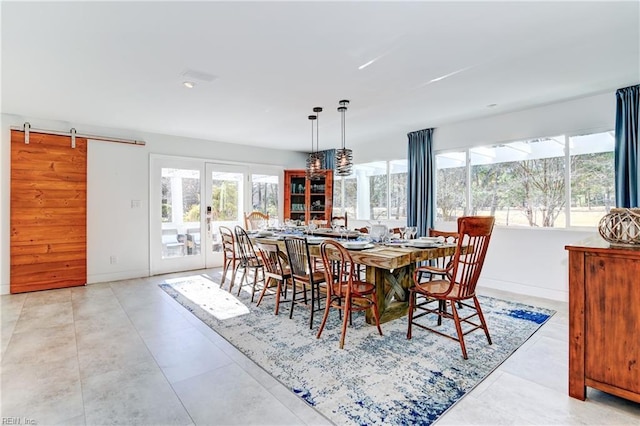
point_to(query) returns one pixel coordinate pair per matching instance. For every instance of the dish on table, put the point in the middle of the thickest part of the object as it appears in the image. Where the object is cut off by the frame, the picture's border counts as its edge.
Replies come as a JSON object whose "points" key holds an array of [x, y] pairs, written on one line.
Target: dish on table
{"points": [[315, 240], [431, 239], [357, 245], [423, 243]]}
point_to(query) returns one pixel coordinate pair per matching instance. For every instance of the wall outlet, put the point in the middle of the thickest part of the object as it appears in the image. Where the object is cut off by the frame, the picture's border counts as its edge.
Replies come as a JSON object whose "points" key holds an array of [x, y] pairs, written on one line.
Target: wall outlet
{"points": [[113, 260], [135, 204]]}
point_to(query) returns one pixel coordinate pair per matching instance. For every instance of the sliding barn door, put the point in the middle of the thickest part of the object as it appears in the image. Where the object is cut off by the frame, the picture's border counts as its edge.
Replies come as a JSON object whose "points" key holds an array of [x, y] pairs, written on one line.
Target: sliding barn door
{"points": [[48, 240]]}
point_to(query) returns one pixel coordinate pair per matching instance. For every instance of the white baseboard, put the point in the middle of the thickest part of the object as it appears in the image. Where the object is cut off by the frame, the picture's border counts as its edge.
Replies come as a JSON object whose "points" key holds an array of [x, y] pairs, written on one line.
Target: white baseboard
{"points": [[546, 293], [117, 276], [98, 278]]}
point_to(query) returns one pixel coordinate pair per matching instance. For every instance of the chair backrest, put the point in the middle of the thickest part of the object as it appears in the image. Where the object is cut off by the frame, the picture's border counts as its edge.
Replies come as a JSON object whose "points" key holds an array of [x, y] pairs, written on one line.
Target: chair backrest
{"points": [[474, 235], [339, 268], [228, 242], [270, 254], [299, 258], [450, 237], [340, 220], [253, 220], [244, 246]]}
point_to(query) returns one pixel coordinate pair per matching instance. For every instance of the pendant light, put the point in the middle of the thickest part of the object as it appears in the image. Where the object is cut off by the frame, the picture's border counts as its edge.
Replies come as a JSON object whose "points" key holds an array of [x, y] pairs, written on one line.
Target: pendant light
{"points": [[344, 156], [316, 158]]}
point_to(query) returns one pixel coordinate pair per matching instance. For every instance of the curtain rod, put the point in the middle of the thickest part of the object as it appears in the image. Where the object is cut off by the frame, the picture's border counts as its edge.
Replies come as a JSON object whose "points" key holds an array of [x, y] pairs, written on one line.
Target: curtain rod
{"points": [[27, 129]]}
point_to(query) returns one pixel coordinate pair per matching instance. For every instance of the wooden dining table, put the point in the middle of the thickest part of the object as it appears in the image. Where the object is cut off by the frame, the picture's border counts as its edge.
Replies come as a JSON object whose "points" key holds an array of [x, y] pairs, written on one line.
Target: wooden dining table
{"points": [[390, 267]]}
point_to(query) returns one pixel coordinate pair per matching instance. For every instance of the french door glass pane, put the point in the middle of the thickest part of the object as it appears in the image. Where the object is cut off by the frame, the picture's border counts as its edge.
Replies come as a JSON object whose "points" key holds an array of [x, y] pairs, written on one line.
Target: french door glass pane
{"points": [[226, 199], [180, 212]]}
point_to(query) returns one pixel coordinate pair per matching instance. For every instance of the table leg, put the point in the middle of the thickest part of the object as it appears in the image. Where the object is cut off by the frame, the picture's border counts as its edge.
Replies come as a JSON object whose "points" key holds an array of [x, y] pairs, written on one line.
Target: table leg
{"points": [[392, 291]]}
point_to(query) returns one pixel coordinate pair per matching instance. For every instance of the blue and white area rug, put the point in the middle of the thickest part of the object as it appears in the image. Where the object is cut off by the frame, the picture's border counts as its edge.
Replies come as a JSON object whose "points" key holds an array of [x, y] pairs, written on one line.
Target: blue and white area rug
{"points": [[375, 379]]}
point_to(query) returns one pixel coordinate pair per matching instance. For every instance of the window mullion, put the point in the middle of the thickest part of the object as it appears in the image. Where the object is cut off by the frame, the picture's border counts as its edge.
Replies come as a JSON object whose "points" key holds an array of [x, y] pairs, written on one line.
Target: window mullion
{"points": [[468, 186], [567, 182]]}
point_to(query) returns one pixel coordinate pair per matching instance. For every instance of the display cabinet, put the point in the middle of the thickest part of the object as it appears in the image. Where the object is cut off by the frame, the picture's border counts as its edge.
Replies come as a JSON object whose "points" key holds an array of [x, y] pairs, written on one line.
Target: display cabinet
{"points": [[306, 199]]}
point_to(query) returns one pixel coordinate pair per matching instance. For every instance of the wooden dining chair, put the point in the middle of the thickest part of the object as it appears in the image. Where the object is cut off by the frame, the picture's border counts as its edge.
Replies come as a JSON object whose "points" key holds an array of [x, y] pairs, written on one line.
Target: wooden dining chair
{"points": [[305, 279], [253, 220], [340, 220], [248, 260], [441, 263], [229, 255], [274, 271], [456, 283], [345, 292]]}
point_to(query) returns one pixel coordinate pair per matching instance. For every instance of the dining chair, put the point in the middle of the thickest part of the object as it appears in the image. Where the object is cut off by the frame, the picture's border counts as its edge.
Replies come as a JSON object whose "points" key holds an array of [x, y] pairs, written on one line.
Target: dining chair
{"points": [[449, 237], [229, 255], [274, 271], [340, 220], [345, 292], [457, 283], [305, 278], [248, 259], [254, 219], [441, 263]]}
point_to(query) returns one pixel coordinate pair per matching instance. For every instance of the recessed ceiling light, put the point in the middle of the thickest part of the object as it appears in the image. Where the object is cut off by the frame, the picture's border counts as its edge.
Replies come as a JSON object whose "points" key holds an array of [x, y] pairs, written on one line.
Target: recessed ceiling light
{"points": [[363, 66], [188, 84], [492, 105]]}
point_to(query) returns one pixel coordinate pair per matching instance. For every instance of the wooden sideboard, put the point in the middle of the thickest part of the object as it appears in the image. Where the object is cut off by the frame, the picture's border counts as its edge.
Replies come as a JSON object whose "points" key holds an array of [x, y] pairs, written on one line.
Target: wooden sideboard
{"points": [[604, 319]]}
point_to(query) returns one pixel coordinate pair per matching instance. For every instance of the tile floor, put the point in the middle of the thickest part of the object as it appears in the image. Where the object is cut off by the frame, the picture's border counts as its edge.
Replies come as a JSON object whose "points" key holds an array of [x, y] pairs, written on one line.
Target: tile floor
{"points": [[126, 353]]}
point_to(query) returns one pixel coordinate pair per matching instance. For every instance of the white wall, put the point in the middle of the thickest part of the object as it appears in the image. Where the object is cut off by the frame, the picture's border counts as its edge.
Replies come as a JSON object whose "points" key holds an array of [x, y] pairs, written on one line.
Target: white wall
{"points": [[523, 260], [116, 175]]}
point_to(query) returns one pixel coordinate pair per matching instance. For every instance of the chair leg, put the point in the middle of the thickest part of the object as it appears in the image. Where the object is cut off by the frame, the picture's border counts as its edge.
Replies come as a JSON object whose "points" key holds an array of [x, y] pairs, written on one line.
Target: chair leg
{"points": [[456, 318], [233, 276], [264, 290], [225, 268], [234, 266], [482, 321], [376, 313], [313, 306], [242, 278], [412, 303], [324, 319], [442, 308], [293, 297], [345, 321], [255, 281]]}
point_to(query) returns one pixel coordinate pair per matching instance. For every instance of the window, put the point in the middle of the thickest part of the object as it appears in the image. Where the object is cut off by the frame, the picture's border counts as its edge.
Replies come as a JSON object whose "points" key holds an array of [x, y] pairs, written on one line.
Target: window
{"points": [[264, 194], [366, 193], [451, 185], [520, 183], [592, 178], [398, 189], [527, 183]]}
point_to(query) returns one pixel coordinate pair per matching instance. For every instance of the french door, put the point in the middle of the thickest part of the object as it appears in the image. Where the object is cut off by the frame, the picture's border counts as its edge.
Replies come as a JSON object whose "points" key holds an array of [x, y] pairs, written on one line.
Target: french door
{"points": [[190, 199]]}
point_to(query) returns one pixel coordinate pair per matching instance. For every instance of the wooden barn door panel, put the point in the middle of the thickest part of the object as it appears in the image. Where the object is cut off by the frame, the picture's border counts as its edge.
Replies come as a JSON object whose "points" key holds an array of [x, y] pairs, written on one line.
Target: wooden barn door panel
{"points": [[48, 239]]}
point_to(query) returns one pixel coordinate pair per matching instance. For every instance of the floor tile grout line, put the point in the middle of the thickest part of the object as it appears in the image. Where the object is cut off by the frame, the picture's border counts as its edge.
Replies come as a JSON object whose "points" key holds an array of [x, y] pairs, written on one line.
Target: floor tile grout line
{"points": [[156, 361], [75, 332]]}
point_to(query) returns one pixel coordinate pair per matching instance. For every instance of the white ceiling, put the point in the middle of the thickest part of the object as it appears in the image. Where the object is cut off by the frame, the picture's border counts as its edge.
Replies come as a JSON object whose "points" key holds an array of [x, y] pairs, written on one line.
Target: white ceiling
{"points": [[119, 64]]}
